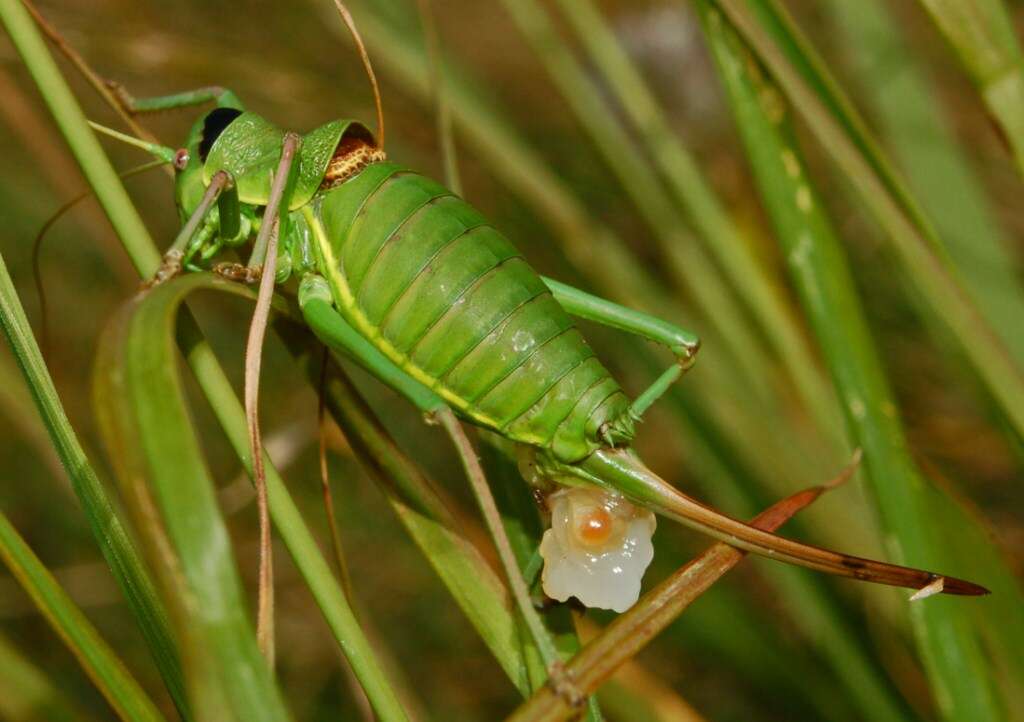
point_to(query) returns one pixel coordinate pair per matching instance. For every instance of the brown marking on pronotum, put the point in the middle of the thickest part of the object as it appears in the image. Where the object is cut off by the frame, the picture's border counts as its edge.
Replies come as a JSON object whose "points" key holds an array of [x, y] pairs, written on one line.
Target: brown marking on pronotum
{"points": [[356, 150]]}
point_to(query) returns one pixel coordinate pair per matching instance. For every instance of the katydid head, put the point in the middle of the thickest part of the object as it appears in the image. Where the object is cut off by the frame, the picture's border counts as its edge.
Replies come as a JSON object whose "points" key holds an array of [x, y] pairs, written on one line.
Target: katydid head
{"points": [[248, 147]]}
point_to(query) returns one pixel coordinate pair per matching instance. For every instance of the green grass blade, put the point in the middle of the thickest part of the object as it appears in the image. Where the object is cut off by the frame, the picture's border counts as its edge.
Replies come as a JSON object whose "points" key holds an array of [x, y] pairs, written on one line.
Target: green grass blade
{"points": [[983, 36], [73, 126], [28, 694], [691, 267], [957, 668], [998, 616], [122, 692], [115, 545], [168, 488], [151, 383], [916, 128], [843, 134], [706, 211]]}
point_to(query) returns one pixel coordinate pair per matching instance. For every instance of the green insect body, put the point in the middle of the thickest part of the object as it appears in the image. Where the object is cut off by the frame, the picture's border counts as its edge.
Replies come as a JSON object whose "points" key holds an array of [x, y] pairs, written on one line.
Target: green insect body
{"points": [[450, 300], [427, 280], [415, 284]]}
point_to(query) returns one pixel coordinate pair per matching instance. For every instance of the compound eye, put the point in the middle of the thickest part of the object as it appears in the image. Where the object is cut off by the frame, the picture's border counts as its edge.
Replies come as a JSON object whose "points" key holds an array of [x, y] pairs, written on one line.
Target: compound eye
{"points": [[181, 158], [213, 125]]}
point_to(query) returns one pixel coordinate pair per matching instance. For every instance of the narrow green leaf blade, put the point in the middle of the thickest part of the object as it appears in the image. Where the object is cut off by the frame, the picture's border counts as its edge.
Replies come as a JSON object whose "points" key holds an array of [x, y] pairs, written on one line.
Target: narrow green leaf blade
{"points": [[918, 130], [27, 693], [169, 490], [957, 668], [143, 341], [111, 536], [800, 74], [983, 36], [110, 676]]}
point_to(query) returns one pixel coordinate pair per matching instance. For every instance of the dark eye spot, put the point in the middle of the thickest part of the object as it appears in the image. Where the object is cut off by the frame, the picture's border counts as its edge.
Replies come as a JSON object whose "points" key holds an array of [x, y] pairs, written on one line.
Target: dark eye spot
{"points": [[213, 125]]}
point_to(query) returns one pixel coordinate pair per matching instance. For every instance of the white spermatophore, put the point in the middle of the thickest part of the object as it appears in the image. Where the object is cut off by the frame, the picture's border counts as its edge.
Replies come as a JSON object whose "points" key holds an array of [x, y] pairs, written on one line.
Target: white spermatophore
{"points": [[597, 548]]}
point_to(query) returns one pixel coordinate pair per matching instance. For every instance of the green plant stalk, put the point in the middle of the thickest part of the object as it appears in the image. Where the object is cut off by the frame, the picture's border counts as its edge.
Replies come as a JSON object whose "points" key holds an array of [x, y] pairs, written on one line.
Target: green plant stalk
{"points": [[539, 634], [72, 123], [956, 666], [857, 155], [27, 693], [146, 258], [521, 519], [983, 36], [706, 212], [112, 679], [917, 130], [104, 520]]}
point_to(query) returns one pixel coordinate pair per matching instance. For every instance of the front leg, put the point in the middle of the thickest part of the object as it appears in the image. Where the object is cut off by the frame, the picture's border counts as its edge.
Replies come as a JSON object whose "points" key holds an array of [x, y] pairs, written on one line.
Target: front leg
{"points": [[190, 239]]}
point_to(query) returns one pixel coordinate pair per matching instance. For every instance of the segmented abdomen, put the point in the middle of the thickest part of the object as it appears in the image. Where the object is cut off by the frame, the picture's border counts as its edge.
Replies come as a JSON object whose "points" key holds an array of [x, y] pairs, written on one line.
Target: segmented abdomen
{"points": [[424, 277]]}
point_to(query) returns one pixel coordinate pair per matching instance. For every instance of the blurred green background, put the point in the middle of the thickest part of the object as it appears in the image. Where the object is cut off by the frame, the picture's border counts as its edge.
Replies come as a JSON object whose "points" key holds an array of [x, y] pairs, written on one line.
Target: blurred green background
{"points": [[740, 433]]}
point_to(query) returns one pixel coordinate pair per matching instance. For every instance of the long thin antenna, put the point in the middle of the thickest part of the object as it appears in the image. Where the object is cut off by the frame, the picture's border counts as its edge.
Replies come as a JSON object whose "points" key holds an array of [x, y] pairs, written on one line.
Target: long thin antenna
{"points": [[346, 17], [37, 248], [163, 152]]}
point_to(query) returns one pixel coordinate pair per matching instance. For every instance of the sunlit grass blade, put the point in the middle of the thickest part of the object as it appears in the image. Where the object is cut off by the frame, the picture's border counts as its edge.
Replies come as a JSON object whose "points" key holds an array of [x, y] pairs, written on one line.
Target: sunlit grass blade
{"points": [[984, 37], [843, 134], [917, 129], [110, 534], [706, 212], [168, 489], [141, 342], [655, 610], [27, 693], [128, 700], [957, 668]]}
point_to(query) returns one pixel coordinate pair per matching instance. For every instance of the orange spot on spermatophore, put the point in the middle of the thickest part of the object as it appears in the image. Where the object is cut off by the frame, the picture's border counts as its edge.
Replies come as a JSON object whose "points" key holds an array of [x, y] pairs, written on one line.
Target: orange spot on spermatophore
{"points": [[594, 527]]}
